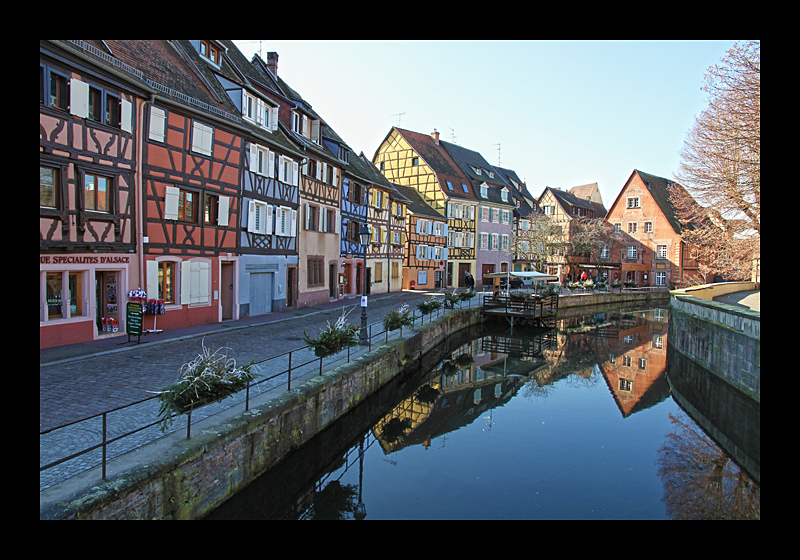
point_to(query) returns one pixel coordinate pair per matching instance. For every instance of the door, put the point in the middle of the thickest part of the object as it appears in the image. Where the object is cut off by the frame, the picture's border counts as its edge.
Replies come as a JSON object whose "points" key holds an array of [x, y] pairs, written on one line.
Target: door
{"points": [[261, 292], [291, 286], [226, 289], [348, 271], [333, 292], [463, 268]]}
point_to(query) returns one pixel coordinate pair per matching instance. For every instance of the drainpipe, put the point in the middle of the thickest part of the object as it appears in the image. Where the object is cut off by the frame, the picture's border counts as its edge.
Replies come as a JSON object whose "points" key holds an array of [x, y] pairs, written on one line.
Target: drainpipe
{"points": [[139, 190]]}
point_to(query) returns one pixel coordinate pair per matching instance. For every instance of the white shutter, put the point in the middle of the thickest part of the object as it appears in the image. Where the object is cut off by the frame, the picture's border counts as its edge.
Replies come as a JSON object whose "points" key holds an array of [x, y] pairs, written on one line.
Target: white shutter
{"points": [[171, 203], [244, 103], [158, 121], [336, 222], [305, 126], [251, 216], [281, 173], [444, 253], [324, 172], [419, 225], [335, 176], [268, 221], [198, 282], [151, 286], [315, 130], [444, 234], [253, 158], [295, 173], [223, 209], [126, 116], [471, 212], [308, 215], [273, 119], [271, 160], [186, 283], [293, 231], [78, 98]]}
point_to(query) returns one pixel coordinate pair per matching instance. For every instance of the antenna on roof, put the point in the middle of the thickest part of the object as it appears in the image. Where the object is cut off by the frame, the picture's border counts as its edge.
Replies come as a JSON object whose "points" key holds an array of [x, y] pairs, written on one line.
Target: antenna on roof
{"points": [[498, 153], [399, 117], [452, 135]]}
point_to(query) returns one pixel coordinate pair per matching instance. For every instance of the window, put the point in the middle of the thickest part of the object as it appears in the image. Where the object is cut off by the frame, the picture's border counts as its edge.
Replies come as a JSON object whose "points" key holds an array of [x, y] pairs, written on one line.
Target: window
{"points": [[625, 385], [464, 188], [58, 91], [633, 202], [377, 199], [632, 251], [259, 218], [415, 161], [506, 217], [395, 270], [299, 123], [202, 138], [48, 187], [210, 52], [210, 209], [661, 251], [632, 227], [285, 222], [604, 253], [661, 278], [187, 206], [484, 191], [504, 195], [166, 281], [311, 217], [449, 185], [96, 193], [316, 271], [648, 227], [617, 228], [64, 300], [378, 272], [95, 104]]}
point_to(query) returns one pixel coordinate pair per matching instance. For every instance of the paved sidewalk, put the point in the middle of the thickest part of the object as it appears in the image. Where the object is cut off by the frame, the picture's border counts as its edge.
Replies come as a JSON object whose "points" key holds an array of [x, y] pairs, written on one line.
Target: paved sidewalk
{"points": [[82, 380], [749, 299]]}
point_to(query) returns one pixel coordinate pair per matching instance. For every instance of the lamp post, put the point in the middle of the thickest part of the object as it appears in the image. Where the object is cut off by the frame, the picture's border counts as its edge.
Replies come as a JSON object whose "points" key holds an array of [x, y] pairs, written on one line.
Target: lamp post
{"points": [[364, 236]]}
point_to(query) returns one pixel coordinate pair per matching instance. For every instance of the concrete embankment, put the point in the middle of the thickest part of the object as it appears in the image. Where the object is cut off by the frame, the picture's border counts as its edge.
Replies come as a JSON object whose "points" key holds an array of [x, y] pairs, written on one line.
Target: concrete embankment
{"points": [[176, 478]]}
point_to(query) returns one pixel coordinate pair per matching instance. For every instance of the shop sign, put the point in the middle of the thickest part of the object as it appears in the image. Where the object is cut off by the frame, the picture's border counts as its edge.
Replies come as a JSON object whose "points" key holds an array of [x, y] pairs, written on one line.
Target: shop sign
{"points": [[133, 318], [84, 259]]}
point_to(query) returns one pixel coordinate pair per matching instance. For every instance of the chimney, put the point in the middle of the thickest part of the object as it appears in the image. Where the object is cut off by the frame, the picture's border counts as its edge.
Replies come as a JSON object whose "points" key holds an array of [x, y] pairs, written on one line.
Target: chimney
{"points": [[272, 63], [435, 136]]}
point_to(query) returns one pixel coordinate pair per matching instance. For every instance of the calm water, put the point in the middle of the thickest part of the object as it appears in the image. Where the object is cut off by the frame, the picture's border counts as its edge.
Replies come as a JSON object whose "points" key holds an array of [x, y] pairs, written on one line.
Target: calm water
{"points": [[573, 423]]}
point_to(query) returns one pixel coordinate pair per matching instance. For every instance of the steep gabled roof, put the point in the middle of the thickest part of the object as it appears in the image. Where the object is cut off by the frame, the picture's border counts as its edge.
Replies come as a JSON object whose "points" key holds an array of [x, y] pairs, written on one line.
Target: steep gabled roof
{"points": [[658, 187], [470, 160], [568, 200], [440, 162], [417, 204]]}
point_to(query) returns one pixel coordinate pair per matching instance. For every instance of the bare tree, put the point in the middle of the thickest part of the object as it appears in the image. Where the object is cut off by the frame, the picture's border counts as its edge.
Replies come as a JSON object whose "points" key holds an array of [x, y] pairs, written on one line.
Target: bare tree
{"points": [[541, 238], [720, 167], [592, 241]]}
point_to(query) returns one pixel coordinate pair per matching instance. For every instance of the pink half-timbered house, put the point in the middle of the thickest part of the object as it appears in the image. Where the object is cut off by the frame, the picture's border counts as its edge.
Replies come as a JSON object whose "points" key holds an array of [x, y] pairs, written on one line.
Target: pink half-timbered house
{"points": [[87, 201]]}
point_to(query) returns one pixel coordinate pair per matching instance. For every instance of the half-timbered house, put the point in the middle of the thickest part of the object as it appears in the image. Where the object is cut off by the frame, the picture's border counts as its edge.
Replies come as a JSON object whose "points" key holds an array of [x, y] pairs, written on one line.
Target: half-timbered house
{"points": [[319, 171], [385, 218], [268, 248], [191, 157], [420, 161], [88, 257], [524, 208], [494, 213], [425, 243]]}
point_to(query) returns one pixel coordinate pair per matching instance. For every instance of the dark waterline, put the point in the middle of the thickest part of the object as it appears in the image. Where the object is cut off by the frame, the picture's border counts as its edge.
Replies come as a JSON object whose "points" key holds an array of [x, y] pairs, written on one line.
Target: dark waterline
{"points": [[589, 432]]}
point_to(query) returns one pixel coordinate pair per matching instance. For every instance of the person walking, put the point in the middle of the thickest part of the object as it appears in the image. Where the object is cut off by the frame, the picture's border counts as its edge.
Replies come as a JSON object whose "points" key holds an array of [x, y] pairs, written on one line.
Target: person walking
{"points": [[469, 281]]}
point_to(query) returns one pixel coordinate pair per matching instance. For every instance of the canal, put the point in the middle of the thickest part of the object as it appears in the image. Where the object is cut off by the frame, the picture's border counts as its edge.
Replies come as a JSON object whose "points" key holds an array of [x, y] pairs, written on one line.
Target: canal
{"points": [[584, 421]]}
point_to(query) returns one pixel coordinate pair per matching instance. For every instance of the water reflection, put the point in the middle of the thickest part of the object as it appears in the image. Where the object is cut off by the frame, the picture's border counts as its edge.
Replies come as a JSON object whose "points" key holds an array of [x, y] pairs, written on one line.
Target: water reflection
{"points": [[621, 354]]}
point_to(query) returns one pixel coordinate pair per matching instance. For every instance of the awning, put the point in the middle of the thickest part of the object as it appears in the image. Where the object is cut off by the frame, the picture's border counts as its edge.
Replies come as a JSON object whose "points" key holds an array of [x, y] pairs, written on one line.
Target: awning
{"points": [[528, 275]]}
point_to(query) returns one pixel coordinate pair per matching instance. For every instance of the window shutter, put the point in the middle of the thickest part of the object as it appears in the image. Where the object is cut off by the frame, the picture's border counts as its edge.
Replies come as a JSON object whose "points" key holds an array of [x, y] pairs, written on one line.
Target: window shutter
{"points": [[151, 268], [335, 176], [281, 170], [293, 231], [315, 130], [251, 216], [269, 220], [471, 212], [273, 118], [336, 221], [126, 116], [305, 125], [223, 208], [158, 123], [307, 210], [253, 158], [271, 160], [186, 283], [171, 203], [444, 253], [78, 98], [295, 173]]}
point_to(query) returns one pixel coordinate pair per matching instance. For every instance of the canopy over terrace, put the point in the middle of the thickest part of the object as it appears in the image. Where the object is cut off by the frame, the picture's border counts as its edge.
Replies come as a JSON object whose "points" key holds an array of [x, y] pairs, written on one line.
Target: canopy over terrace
{"points": [[530, 276]]}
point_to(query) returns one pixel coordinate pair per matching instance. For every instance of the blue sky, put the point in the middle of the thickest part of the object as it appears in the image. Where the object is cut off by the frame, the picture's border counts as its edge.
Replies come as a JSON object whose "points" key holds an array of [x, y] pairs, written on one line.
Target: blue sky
{"points": [[565, 113]]}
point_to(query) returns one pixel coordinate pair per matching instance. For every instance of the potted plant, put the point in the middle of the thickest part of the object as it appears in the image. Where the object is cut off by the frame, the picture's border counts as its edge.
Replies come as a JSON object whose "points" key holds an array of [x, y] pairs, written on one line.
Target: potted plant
{"points": [[396, 319], [429, 304], [451, 299], [212, 376], [334, 338], [468, 293]]}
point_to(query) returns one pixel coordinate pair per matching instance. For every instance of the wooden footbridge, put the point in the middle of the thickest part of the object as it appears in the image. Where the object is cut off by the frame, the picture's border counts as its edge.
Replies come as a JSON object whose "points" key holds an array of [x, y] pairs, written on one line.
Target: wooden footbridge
{"points": [[520, 307]]}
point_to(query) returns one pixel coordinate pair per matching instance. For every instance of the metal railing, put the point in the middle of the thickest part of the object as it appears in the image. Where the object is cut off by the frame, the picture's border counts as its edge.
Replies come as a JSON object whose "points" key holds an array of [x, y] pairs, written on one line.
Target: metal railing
{"points": [[296, 361]]}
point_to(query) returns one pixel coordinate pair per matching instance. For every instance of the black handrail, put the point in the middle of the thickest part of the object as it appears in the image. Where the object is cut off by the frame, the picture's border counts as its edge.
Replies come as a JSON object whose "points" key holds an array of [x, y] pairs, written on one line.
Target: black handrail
{"points": [[107, 441]]}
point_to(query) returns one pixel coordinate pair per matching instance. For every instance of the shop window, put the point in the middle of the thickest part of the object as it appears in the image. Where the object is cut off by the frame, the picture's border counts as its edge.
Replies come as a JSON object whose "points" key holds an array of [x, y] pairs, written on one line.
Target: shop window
{"points": [[64, 301], [166, 281]]}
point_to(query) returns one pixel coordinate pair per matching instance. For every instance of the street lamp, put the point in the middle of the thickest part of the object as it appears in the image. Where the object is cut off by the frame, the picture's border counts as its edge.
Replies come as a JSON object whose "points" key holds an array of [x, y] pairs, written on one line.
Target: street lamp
{"points": [[364, 235]]}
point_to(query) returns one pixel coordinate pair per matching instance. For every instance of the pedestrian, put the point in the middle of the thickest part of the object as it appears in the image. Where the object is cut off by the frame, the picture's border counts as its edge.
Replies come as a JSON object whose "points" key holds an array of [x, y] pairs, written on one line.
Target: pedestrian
{"points": [[469, 281], [583, 276]]}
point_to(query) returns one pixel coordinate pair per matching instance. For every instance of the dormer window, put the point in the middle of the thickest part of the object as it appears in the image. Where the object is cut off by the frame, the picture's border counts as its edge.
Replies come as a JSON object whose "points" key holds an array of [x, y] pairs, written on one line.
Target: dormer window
{"points": [[298, 122], [211, 52], [484, 191], [504, 194]]}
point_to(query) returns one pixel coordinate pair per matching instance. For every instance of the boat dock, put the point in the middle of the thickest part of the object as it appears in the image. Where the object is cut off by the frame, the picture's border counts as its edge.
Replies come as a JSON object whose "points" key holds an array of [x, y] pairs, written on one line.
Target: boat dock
{"points": [[530, 310]]}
